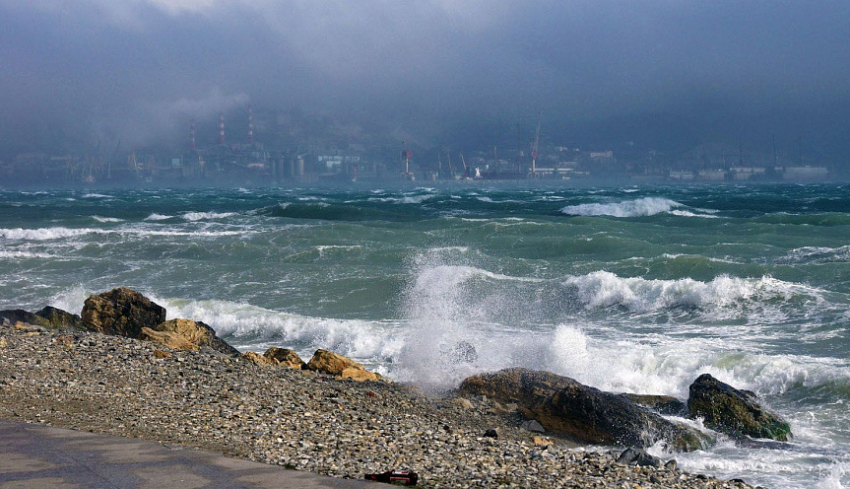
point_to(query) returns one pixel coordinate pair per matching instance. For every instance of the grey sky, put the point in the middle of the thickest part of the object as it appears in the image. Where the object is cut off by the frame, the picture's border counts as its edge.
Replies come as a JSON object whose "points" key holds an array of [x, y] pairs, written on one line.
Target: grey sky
{"points": [[651, 70]]}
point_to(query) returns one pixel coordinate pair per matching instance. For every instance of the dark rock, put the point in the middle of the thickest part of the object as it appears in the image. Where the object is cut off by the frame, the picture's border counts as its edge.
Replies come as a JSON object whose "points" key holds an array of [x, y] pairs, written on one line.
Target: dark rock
{"points": [[583, 413], [734, 412], [671, 465], [533, 426], [667, 405], [636, 456], [491, 433], [57, 318], [22, 316], [122, 312], [49, 317]]}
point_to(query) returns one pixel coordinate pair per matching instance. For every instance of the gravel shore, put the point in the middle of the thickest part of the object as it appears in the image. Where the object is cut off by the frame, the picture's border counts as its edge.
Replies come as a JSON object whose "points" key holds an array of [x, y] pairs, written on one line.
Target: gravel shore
{"points": [[300, 419]]}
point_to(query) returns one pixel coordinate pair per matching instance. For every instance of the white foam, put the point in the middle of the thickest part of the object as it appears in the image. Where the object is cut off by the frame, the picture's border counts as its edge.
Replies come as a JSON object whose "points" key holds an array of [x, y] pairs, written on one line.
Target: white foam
{"points": [[56, 233], [202, 234], [107, 219], [415, 199], [46, 234], [691, 214], [818, 254], [248, 326], [70, 300], [199, 216], [647, 206], [158, 217], [724, 295], [96, 196], [448, 303], [331, 248], [23, 254]]}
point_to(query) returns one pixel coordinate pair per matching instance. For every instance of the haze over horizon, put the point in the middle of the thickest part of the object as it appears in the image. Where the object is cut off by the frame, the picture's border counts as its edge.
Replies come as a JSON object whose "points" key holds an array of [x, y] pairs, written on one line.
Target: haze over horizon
{"points": [[657, 73]]}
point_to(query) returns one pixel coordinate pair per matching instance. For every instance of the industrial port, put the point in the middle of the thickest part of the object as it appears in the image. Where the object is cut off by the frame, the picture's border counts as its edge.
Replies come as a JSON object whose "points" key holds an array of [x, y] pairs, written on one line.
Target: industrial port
{"points": [[311, 149]]}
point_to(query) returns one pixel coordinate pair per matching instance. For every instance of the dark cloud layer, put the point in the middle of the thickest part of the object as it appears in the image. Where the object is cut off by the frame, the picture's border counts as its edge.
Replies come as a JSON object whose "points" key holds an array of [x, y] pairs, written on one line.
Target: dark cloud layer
{"points": [[662, 73]]}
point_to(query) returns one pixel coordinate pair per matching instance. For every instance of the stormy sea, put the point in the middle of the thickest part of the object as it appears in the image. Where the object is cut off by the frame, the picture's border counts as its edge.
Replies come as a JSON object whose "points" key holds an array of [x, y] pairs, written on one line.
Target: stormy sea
{"points": [[630, 289]]}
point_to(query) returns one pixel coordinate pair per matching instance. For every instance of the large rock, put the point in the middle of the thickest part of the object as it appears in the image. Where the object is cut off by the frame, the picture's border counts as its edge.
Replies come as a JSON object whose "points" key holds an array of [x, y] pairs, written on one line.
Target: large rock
{"points": [[331, 363], [734, 412], [583, 413], [196, 333], [338, 365], [122, 312], [258, 359], [49, 317], [167, 339], [57, 318], [667, 405], [285, 357], [22, 316], [359, 374]]}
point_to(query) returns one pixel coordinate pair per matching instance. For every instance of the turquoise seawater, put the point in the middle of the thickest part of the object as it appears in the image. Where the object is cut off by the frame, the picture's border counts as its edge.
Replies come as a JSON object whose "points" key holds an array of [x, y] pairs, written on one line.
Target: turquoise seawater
{"points": [[630, 289]]}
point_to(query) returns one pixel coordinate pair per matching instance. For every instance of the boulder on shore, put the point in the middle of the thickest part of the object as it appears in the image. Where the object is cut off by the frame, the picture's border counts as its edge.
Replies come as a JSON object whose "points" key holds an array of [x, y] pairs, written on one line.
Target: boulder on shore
{"points": [[48, 317], [734, 412], [258, 359], [583, 413], [285, 357], [340, 366], [167, 339], [122, 312], [57, 318], [196, 333]]}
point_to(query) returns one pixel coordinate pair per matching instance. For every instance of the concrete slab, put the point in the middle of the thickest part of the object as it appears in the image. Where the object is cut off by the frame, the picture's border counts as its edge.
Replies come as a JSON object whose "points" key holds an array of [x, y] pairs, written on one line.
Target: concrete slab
{"points": [[36, 456]]}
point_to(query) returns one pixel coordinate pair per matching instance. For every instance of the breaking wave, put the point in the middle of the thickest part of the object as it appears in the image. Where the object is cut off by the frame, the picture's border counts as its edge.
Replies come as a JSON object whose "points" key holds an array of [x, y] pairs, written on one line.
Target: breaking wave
{"points": [[200, 216], [46, 234], [106, 219], [603, 289], [818, 254], [158, 217], [647, 206]]}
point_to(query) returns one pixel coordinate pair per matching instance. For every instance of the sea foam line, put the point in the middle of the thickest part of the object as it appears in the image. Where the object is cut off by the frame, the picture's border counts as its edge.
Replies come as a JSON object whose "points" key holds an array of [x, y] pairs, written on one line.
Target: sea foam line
{"points": [[47, 234]]}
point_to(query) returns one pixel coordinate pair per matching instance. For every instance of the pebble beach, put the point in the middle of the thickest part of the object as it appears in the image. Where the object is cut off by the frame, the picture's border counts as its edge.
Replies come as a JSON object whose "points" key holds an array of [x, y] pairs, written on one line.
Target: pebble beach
{"points": [[299, 419]]}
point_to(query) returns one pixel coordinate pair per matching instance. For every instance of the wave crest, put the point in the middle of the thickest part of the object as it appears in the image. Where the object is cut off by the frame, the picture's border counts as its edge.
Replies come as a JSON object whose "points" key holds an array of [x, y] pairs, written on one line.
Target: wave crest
{"points": [[647, 206]]}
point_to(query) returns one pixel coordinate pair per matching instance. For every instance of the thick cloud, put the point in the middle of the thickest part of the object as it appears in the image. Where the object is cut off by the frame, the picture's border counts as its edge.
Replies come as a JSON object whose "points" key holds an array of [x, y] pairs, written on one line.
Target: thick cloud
{"points": [[661, 72]]}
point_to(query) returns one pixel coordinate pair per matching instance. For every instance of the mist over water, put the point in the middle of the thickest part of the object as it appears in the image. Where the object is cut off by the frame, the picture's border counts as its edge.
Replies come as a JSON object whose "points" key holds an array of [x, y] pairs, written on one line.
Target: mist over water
{"points": [[627, 290]]}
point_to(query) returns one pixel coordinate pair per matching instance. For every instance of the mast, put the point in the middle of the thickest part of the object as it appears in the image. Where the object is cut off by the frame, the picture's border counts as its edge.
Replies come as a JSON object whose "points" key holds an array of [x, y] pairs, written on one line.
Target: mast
{"points": [[519, 148], [536, 145]]}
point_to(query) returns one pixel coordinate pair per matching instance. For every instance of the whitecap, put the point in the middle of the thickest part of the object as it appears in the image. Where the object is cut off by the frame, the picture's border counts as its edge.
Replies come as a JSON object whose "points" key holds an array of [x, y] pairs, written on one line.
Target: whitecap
{"points": [[106, 219], [647, 206], [158, 217], [46, 234], [199, 216]]}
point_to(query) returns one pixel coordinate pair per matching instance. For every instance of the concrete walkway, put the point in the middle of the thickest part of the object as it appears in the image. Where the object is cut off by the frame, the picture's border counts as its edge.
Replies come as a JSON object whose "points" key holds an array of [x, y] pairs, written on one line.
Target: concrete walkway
{"points": [[36, 456]]}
